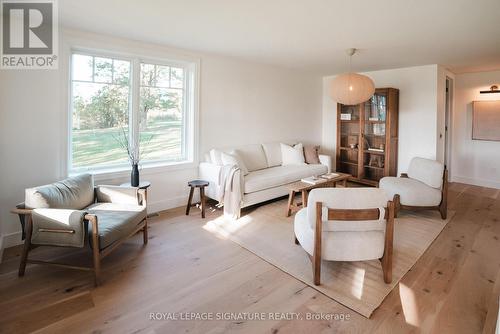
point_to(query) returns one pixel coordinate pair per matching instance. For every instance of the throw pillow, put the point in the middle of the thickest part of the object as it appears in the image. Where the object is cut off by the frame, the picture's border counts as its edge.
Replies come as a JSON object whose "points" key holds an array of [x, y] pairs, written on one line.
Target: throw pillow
{"points": [[215, 157], [311, 154], [292, 155], [232, 158]]}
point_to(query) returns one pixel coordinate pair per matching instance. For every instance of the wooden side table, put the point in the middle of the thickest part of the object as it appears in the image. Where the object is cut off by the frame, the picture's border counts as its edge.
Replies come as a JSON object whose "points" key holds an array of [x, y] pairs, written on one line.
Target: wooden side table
{"points": [[142, 185], [201, 184]]}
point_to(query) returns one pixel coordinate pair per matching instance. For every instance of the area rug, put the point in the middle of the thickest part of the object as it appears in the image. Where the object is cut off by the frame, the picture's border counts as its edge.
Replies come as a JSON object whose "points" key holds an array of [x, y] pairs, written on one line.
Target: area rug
{"points": [[266, 232]]}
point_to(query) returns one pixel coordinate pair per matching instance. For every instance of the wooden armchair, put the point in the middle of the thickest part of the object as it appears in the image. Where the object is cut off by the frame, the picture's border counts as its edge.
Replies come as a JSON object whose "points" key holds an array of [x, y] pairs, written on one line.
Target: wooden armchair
{"points": [[113, 215]]}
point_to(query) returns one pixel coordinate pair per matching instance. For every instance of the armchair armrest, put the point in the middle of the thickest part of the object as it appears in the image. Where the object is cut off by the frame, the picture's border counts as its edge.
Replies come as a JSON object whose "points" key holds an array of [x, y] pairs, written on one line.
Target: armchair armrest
{"points": [[326, 160], [210, 172], [118, 194], [58, 227], [24, 215]]}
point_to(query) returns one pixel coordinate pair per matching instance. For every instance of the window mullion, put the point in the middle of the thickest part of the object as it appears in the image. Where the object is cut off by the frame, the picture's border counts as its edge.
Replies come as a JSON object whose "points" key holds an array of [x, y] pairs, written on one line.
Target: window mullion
{"points": [[135, 106]]}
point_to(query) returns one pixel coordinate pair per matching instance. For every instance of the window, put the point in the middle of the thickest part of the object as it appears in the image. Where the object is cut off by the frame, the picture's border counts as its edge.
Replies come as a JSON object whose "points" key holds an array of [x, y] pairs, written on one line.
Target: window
{"points": [[116, 101]]}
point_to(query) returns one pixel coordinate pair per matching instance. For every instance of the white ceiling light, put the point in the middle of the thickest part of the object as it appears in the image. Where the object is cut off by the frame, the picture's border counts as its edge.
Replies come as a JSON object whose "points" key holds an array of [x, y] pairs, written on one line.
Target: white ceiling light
{"points": [[351, 88]]}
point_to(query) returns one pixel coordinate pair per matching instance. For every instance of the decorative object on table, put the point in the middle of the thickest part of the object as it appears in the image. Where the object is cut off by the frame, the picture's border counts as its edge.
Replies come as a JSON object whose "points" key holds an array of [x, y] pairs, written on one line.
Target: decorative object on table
{"points": [[200, 184], [133, 154], [303, 188], [312, 180], [425, 187], [373, 138], [112, 213], [486, 120], [351, 88], [329, 176]]}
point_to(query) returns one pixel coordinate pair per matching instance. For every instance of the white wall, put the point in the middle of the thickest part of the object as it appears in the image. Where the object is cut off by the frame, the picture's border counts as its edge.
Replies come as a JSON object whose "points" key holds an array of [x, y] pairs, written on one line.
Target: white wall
{"points": [[240, 103], [474, 161], [417, 111]]}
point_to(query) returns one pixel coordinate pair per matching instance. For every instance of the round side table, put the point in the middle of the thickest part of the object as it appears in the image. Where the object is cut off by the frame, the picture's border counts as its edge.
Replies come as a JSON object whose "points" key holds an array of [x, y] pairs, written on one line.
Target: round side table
{"points": [[200, 184], [142, 185]]}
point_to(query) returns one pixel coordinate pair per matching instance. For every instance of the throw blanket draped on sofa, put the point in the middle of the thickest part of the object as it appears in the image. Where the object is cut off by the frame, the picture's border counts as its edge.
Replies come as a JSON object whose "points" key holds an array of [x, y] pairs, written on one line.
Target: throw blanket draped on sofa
{"points": [[231, 193]]}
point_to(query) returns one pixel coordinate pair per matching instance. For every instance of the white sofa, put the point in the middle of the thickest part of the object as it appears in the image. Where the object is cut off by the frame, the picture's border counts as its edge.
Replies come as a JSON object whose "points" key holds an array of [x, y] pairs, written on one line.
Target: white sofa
{"points": [[267, 178]]}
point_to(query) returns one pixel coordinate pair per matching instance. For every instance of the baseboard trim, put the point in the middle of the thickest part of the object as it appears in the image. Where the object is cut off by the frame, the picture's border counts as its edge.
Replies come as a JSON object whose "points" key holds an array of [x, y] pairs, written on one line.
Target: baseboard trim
{"points": [[167, 204], [1, 248], [12, 239], [476, 182]]}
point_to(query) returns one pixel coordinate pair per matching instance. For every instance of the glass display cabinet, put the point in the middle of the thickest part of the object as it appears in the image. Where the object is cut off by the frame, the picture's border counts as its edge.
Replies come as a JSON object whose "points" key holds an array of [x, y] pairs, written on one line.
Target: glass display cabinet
{"points": [[367, 137]]}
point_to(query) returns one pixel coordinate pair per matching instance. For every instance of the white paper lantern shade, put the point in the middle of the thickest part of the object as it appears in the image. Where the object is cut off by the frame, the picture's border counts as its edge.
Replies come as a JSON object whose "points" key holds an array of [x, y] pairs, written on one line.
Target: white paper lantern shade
{"points": [[352, 88]]}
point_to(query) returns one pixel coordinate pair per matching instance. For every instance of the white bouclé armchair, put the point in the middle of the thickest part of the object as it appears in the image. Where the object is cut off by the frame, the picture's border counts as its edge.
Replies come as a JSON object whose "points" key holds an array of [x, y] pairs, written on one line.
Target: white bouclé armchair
{"points": [[425, 186], [346, 224]]}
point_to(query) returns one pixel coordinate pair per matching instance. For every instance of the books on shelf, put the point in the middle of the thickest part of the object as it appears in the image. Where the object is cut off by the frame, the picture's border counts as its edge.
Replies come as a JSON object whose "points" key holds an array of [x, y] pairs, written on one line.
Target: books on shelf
{"points": [[329, 176], [312, 180]]}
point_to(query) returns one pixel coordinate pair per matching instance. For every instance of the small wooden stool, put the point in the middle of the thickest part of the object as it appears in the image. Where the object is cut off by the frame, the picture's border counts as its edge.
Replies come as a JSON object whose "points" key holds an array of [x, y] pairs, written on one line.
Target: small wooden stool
{"points": [[197, 184]]}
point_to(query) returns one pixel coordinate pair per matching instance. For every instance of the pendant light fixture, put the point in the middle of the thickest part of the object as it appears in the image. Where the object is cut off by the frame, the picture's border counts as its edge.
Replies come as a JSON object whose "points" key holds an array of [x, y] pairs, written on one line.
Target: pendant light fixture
{"points": [[351, 88]]}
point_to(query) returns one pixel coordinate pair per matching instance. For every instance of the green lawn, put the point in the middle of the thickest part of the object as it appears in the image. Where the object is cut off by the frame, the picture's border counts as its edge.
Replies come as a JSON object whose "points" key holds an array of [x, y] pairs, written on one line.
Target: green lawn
{"points": [[99, 147]]}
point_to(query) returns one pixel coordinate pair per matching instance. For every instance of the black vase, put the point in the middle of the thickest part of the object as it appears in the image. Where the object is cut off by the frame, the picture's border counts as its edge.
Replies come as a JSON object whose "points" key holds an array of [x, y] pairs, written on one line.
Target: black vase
{"points": [[134, 176]]}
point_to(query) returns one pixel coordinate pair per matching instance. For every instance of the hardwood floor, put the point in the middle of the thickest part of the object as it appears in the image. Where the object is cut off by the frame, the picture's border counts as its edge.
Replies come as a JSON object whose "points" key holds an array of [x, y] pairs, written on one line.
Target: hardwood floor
{"points": [[453, 288]]}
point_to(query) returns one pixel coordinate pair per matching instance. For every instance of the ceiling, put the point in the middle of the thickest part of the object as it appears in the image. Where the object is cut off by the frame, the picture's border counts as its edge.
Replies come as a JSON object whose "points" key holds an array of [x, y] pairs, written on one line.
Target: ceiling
{"points": [[310, 35]]}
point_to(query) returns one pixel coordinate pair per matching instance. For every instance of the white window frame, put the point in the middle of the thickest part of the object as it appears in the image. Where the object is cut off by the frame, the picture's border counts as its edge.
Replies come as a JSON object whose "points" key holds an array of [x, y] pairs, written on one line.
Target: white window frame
{"points": [[190, 112]]}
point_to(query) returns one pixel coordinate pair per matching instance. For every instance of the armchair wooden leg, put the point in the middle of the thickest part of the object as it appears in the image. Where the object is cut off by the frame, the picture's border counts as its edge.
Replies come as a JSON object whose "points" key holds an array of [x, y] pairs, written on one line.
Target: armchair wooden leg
{"points": [[26, 247], [297, 241], [317, 244], [95, 250], [397, 205], [145, 231], [388, 246]]}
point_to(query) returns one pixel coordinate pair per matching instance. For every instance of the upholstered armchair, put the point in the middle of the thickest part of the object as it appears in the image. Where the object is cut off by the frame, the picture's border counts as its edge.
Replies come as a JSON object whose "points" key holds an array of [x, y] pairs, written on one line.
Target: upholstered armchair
{"points": [[425, 186], [74, 213], [346, 224]]}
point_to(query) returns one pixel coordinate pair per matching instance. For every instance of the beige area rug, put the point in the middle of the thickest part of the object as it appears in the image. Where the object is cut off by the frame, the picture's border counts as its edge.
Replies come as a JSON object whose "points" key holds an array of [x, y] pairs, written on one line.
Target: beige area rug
{"points": [[266, 232]]}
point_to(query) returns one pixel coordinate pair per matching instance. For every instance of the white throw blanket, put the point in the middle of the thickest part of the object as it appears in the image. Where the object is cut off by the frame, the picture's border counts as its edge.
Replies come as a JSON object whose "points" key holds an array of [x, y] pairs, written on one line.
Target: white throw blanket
{"points": [[231, 191]]}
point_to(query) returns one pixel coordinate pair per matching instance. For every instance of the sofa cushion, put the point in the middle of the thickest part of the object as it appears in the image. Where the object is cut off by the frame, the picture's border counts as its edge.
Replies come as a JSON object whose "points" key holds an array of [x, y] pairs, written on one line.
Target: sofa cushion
{"points": [[278, 176], [234, 158], [427, 171], [72, 193], [216, 156], [115, 221], [273, 154], [411, 192], [253, 156], [292, 155]]}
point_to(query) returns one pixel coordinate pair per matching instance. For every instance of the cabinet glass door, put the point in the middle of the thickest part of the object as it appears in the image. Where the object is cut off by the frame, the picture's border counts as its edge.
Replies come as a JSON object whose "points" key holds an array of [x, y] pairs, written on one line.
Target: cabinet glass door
{"points": [[374, 141], [349, 139]]}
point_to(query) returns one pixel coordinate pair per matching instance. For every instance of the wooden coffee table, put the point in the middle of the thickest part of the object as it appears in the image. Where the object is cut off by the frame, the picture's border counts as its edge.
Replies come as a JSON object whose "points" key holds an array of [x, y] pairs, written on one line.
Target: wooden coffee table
{"points": [[304, 188]]}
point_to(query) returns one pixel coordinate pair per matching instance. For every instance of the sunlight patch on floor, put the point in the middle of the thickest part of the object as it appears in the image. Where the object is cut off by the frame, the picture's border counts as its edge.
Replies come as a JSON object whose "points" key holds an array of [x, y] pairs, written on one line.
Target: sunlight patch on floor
{"points": [[409, 304], [358, 283], [225, 227]]}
